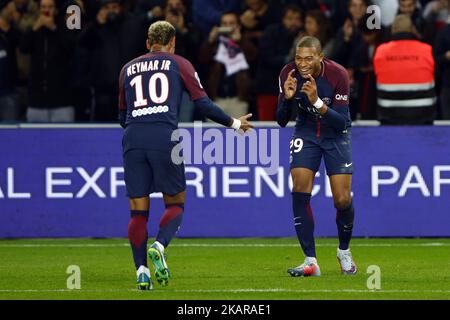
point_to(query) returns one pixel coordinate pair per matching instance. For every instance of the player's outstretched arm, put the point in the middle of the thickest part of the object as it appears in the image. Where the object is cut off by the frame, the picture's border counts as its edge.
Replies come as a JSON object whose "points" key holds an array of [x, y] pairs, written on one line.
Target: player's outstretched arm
{"points": [[203, 103], [210, 110], [242, 123]]}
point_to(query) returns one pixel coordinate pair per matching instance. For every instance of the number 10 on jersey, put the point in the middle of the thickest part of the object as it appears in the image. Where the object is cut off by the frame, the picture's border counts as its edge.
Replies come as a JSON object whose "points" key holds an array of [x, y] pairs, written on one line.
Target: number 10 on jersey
{"points": [[156, 98]]}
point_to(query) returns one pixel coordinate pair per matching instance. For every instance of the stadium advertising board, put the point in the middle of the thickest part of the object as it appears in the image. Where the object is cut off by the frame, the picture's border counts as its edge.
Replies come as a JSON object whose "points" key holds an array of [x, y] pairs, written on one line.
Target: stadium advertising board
{"points": [[68, 182]]}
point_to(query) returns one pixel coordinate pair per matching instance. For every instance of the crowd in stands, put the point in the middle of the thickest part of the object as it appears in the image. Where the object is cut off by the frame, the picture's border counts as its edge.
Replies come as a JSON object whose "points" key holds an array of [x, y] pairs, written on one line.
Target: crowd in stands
{"points": [[52, 73]]}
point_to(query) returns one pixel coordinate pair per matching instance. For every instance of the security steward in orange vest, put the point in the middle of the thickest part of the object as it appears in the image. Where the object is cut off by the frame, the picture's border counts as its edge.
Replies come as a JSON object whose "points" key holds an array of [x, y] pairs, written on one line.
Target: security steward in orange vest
{"points": [[404, 70]]}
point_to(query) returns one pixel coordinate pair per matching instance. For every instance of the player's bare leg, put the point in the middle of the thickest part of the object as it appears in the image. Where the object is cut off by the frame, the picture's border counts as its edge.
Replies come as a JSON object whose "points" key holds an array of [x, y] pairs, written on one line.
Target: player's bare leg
{"points": [[168, 226], [345, 213], [302, 179], [137, 235]]}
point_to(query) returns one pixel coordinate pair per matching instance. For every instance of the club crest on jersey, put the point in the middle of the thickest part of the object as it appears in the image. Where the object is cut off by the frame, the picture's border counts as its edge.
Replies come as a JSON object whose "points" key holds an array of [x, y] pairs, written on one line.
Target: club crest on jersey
{"points": [[327, 101]]}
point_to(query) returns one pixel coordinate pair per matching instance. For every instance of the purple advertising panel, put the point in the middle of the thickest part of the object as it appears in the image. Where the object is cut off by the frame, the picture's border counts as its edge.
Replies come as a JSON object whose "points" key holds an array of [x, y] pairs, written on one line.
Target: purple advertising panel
{"points": [[68, 182]]}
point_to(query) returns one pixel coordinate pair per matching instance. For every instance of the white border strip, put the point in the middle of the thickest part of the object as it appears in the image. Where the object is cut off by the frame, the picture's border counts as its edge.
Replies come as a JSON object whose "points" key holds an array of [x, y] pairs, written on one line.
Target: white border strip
{"points": [[258, 124], [411, 103], [406, 86], [68, 125]]}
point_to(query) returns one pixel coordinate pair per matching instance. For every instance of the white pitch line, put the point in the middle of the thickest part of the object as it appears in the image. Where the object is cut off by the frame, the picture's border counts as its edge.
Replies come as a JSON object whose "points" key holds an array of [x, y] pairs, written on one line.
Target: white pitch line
{"points": [[244, 290], [313, 290], [218, 245]]}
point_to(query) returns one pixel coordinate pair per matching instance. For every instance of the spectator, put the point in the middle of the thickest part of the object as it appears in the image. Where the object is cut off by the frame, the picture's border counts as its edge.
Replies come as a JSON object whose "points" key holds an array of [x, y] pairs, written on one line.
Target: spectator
{"points": [[409, 7], [316, 25], [435, 14], [352, 52], [259, 14], [362, 72], [228, 52], [21, 13], [112, 40], [273, 55], [207, 13], [79, 63], [442, 56], [188, 40], [88, 10], [389, 9], [404, 69], [188, 36], [304, 5], [50, 47], [348, 37], [255, 18], [9, 108], [154, 9]]}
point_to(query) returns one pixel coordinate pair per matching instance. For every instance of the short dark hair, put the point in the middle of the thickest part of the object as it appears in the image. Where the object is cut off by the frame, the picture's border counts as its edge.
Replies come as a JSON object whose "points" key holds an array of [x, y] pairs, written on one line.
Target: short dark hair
{"points": [[160, 32], [310, 42], [102, 3], [293, 8], [234, 13], [368, 3]]}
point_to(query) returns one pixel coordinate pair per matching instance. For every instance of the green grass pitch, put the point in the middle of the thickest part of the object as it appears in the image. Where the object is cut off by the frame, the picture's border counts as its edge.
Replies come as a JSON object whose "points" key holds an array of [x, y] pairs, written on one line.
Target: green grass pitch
{"points": [[224, 269]]}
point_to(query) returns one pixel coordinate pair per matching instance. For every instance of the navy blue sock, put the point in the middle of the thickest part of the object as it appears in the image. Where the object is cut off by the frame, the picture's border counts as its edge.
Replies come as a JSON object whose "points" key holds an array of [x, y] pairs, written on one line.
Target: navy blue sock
{"points": [[137, 235], [304, 222], [170, 223], [344, 222]]}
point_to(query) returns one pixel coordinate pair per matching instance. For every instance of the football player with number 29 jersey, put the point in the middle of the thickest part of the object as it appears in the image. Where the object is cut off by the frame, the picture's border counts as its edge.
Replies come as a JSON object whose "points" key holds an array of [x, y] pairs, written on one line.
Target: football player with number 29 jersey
{"points": [[318, 90]]}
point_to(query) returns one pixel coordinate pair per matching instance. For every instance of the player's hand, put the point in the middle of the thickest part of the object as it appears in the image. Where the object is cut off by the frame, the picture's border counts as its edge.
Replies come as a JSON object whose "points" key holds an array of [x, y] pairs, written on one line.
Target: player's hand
{"points": [[213, 35], [310, 89], [290, 86], [245, 125]]}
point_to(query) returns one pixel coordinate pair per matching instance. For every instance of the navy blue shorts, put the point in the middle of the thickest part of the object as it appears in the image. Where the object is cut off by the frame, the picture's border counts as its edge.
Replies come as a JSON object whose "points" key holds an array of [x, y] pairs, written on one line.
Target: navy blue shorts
{"points": [[306, 151], [148, 171]]}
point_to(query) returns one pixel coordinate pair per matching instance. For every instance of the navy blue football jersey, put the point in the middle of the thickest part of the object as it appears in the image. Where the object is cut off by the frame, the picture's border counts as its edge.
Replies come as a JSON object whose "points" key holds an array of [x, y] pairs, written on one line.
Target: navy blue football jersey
{"points": [[332, 87], [150, 90]]}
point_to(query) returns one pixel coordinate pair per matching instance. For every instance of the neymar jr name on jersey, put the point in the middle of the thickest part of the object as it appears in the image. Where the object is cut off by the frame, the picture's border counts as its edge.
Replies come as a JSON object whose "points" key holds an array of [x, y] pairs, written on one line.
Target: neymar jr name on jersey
{"points": [[148, 65]]}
